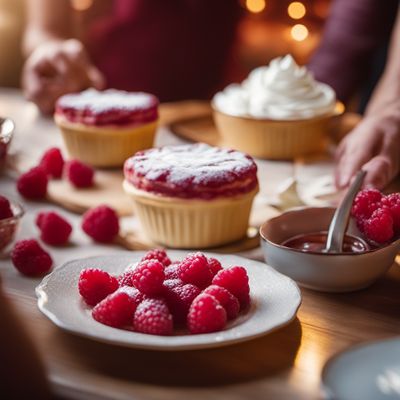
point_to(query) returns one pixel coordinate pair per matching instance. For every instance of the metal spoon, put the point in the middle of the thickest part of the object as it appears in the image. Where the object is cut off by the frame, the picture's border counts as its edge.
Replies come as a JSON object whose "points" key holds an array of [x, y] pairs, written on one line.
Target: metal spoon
{"points": [[338, 226]]}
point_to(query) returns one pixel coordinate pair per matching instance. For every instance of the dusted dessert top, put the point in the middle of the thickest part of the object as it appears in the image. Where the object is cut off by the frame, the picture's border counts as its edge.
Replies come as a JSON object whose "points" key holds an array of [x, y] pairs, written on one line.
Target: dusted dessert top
{"points": [[108, 107], [280, 91], [196, 171]]}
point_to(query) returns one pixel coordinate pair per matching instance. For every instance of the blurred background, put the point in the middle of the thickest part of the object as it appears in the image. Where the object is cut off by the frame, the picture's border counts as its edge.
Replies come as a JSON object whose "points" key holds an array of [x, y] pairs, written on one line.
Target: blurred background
{"points": [[290, 26]]}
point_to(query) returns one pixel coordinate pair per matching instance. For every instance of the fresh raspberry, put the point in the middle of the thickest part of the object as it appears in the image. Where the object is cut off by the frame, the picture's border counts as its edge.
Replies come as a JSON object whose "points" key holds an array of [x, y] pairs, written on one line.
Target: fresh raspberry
{"points": [[33, 184], [5, 208], [125, 279], [360, 223], [101, 224], [226, 299], [148, 277], [54, 229], [95, 285], [236, 281], [52, 162], [365, 203], [152, 316], [194, 269], [379, 227], [206, 315], [392, 201], [179, 298], [172, 271], [118, 308], [30, 258], [214, 265], [79, 174], [158, 254]]}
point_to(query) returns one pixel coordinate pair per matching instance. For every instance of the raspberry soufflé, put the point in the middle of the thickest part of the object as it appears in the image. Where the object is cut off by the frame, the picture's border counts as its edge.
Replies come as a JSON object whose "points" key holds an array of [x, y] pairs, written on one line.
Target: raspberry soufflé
{"points": [[103, 128], [192, 195]]}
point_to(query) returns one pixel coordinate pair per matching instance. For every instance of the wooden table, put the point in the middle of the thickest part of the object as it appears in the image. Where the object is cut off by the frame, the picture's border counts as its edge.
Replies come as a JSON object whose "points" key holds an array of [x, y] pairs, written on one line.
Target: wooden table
{"points": [[283, 365]]}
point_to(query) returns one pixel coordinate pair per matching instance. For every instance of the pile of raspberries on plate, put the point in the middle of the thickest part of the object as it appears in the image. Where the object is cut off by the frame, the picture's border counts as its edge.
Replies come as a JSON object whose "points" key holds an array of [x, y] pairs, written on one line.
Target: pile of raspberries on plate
{"points": [[155, 295]]}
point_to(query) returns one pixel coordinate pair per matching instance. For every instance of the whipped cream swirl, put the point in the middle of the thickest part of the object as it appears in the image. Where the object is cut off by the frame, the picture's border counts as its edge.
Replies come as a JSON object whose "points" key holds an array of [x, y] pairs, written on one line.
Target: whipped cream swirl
{"points": [[280, 91]]}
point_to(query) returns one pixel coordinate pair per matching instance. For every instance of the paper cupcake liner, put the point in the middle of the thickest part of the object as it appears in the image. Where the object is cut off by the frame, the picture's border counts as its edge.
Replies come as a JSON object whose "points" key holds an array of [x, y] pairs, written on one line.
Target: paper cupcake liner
{"points": [[273, 139], [105, 146], [186, 223]]}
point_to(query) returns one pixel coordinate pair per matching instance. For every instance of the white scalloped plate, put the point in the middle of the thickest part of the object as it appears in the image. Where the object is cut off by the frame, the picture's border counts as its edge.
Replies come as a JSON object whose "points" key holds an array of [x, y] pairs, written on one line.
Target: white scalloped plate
{"points": [[275, 301]]}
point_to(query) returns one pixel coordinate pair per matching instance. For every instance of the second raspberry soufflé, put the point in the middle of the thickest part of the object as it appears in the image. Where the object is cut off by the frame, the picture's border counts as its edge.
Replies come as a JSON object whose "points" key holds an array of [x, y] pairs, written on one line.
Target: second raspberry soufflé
{"points": [[110, 107], [192, 172], [104, 128], [192, 196]]}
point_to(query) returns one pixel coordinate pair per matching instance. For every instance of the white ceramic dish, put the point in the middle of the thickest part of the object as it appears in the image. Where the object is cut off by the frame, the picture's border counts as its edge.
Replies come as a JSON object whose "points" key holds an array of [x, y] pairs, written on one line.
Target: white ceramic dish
{"points": [[275, 300], [368, 372], [344, 272]]}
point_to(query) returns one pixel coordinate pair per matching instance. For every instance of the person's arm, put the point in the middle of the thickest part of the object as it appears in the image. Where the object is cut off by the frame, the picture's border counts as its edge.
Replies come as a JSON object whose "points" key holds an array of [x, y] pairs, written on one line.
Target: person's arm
{"points": [[56, 64], [22, 375], [374, 145]]}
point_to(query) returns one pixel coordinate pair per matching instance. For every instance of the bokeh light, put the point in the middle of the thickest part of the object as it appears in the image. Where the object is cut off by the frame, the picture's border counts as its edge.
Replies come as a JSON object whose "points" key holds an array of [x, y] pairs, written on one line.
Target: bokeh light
{"points": [[255, 6], [81, 5], [296, 10], [299, 32]]}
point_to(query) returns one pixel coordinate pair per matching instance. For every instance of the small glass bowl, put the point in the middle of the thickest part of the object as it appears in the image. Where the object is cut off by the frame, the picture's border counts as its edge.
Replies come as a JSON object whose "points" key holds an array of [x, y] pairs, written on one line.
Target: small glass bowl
{"points": [[9, 226], [6, 134]]}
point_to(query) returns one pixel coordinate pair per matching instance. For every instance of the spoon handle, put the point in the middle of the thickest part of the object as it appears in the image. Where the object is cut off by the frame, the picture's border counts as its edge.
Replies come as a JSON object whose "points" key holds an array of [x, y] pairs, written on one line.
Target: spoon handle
{"points": [[338, 226]]}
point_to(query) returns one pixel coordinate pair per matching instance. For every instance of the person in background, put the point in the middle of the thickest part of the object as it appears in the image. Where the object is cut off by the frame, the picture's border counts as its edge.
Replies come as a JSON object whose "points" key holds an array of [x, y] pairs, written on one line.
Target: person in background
{"points": [[179, 50], [176, 49]]}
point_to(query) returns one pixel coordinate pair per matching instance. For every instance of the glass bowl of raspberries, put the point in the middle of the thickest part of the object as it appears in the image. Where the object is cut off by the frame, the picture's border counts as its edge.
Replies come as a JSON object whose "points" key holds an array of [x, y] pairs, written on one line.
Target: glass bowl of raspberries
{"points": [[374, 230], [10, 214]]}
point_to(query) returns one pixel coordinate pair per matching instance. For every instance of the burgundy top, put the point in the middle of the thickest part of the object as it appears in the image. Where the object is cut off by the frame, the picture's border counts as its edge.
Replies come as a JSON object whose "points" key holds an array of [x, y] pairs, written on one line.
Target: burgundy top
{"points": [[109, 107], [196, 171], [354, 31], [175, 49]]}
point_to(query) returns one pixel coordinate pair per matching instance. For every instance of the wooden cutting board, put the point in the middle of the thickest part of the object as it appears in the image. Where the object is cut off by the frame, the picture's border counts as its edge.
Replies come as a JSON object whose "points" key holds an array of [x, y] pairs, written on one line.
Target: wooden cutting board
{"points": [[106, 190], [197, 129]]}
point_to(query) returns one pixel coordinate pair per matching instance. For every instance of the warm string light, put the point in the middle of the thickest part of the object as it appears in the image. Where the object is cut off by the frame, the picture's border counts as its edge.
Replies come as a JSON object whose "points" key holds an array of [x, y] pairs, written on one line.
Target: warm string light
{"points": [[299, 32], [296, 10], [255, 6]]}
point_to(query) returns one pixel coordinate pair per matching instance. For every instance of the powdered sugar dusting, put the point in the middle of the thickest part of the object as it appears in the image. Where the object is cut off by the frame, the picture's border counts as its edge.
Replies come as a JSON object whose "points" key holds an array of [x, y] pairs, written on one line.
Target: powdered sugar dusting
{"points": [[129, 290], [100, 101], [191, 168], [199, 162]]}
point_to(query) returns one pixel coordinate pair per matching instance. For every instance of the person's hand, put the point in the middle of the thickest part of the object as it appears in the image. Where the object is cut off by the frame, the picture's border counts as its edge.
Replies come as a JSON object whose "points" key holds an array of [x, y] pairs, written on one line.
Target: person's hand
{"points": [[374, 146], [57, 68]]}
